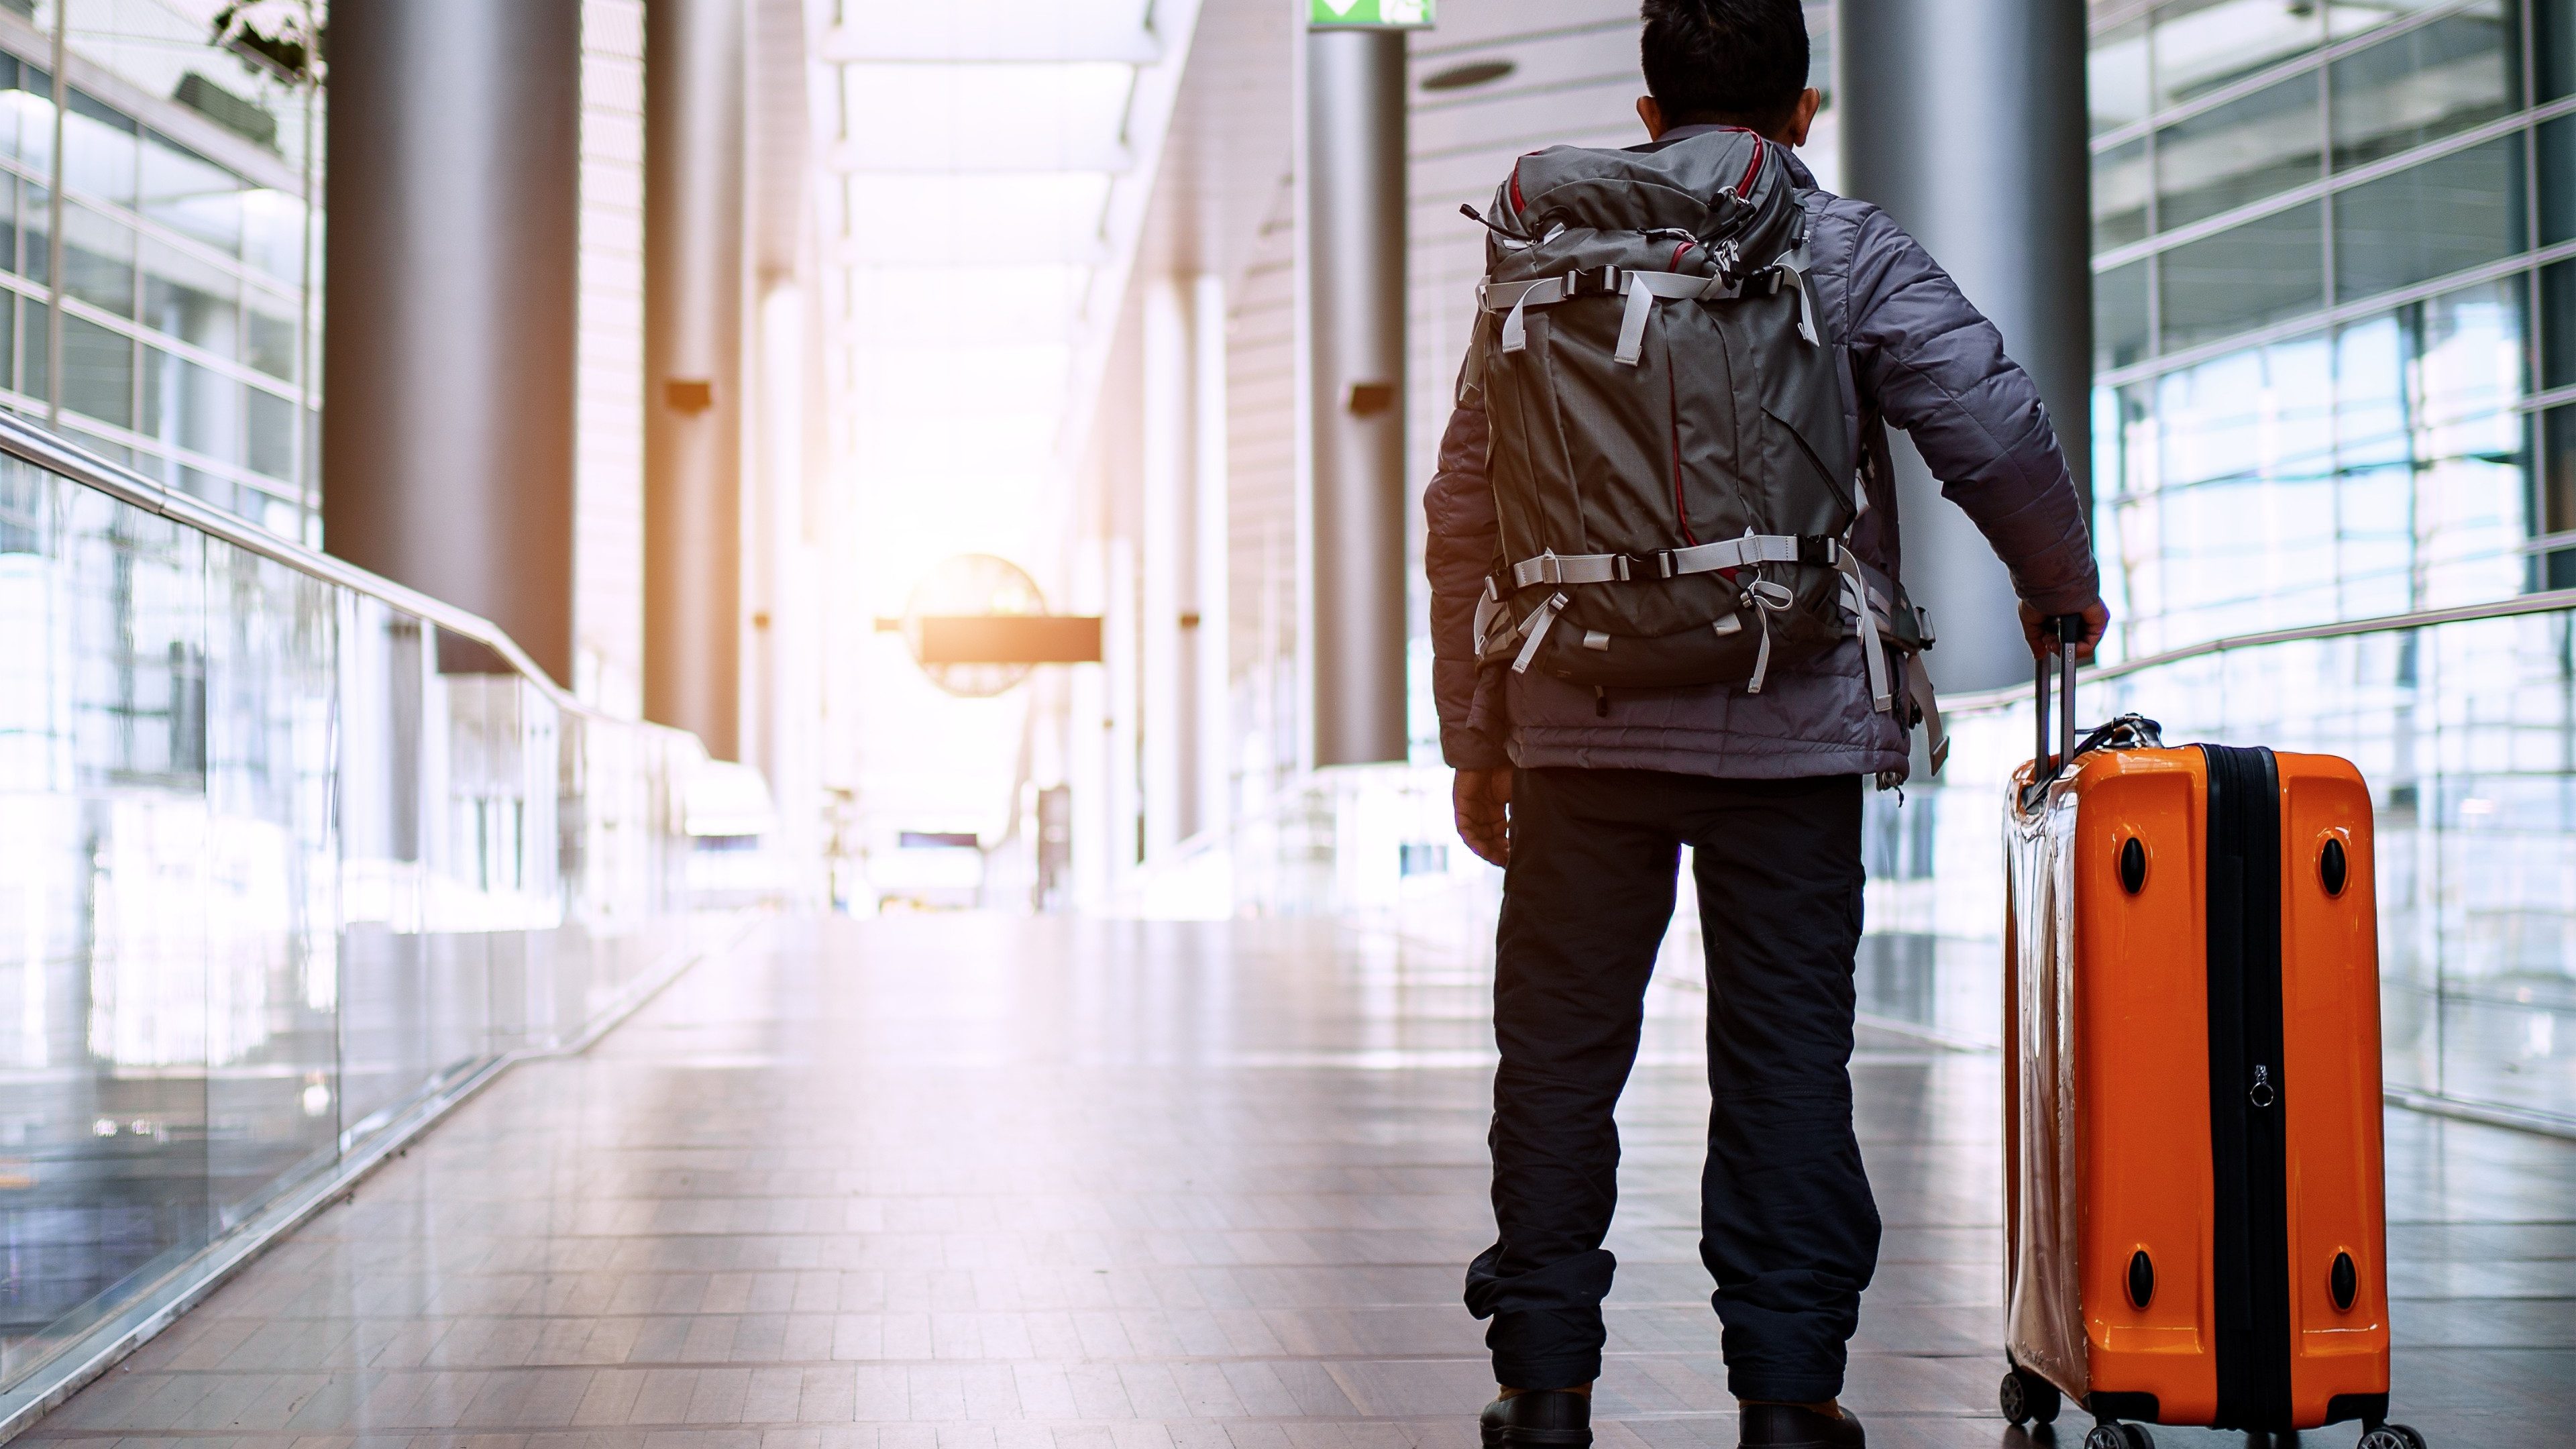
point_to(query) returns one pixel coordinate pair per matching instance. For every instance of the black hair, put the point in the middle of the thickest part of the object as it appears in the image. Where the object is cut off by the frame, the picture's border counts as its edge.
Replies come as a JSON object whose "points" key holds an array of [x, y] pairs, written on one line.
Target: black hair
{"points": [[1740, 62]]}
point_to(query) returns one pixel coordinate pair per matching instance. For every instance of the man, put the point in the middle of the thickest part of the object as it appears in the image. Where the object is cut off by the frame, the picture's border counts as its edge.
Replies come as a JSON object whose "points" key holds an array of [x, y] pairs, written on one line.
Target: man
{"points": [[1586, 796]]}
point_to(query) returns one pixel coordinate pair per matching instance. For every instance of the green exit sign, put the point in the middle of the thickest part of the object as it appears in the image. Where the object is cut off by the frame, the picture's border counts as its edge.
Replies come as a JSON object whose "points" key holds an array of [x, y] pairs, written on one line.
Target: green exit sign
{"points": [[1384, 14]]}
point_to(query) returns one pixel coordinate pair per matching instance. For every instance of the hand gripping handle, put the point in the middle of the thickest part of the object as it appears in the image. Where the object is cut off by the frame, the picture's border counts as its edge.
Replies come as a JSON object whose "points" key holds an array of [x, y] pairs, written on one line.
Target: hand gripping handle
{"points": [[2067, 632]]}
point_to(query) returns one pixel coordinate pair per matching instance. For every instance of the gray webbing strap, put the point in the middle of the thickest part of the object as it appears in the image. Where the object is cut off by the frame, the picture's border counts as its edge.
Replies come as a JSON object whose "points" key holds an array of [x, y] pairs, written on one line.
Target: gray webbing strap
{"points": [[1795, 264], [1517, 298], [1644, 289], [1768, 599], [1705, 558], [1918, 687], [1570, 568], [1856, 592], [1488, 604], [1536, 626]]}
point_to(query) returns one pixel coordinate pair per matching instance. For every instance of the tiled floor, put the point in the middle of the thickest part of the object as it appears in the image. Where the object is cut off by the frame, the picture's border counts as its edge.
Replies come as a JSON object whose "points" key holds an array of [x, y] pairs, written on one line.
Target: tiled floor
{"points": [[963, 1183]]}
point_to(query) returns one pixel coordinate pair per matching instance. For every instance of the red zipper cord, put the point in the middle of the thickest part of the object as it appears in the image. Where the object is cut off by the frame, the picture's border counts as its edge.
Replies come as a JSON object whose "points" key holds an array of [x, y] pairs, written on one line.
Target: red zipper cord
{"points": [[1744, 187], [1672, 398]]}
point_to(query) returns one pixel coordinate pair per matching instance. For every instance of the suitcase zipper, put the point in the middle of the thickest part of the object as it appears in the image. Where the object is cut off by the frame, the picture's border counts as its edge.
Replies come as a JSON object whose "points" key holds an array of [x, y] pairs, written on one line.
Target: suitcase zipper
{"points": [[2249, 1154]]}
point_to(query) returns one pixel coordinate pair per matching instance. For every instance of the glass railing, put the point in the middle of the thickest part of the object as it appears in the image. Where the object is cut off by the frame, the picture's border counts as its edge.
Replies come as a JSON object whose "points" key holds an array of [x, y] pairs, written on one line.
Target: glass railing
{"points": [[290, 858], [2463, 722]]}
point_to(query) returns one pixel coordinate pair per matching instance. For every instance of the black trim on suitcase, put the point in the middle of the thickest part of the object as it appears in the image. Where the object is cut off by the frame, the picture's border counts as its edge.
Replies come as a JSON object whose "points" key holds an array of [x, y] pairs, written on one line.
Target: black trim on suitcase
{"points": [[2248, 1143]]}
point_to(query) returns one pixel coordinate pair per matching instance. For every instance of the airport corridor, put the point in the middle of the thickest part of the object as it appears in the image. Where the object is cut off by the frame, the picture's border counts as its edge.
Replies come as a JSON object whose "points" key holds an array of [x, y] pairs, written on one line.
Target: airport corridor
{"points": [[966, 1182]]}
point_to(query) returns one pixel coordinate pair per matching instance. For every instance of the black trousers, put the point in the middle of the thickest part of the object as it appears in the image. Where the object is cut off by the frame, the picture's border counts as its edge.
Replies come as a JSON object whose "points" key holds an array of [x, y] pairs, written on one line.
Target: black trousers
{"points": [[1787, 1225]]}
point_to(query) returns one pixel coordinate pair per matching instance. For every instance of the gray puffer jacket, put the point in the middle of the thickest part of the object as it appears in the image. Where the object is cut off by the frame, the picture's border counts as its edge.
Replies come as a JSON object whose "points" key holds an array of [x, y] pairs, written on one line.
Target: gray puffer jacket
{"points": [[1917, 356]]}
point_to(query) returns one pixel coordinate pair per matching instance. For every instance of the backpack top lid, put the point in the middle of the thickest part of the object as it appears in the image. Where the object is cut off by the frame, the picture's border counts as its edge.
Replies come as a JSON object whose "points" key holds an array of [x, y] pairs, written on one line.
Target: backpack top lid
{"points": [[1727, 184]]}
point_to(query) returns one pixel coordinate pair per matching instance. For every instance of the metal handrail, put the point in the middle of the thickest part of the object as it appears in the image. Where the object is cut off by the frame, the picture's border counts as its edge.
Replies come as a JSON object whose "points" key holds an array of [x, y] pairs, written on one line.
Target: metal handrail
{"points": [[2552, 601], [31, 443]]}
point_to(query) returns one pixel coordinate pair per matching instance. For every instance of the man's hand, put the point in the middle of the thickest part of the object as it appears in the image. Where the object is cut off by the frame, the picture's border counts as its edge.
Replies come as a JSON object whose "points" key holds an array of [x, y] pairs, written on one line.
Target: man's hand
{"points": [[2097, 619], [1483, 800]]}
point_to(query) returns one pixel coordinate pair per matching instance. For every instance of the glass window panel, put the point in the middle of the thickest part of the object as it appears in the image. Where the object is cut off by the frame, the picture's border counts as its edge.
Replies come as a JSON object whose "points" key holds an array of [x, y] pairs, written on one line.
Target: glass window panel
{"points": [[2115, 77], [98, 260], [101, 149], [8, 321], [98, 372], [2557, 168], [2558, 470], [26, 114], [2346, 19], [2458, 72], [2429, 220], [272, 335], [2200, 45], [2553, 36], [35, 344], [2250, 148], [272, 434], [2261, 272], [273, 234], [191, 407], [2120, 315], [2558, 324], [190, 194], [220, 491], [35, 230], [2120, 195], [191, 299]]}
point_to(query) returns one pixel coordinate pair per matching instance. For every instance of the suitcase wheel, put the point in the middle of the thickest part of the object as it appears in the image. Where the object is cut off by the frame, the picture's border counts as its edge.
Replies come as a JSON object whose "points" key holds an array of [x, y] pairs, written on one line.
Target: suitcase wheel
{"points": [[2112, 1434], [2026, 1398], [2392, 1436]]}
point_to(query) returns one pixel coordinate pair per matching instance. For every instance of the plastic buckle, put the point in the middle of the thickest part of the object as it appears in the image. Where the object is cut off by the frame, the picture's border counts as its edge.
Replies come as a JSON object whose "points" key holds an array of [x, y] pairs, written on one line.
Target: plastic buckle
{"points": [[1599, 282], [1662, 560], [1819, 549]]}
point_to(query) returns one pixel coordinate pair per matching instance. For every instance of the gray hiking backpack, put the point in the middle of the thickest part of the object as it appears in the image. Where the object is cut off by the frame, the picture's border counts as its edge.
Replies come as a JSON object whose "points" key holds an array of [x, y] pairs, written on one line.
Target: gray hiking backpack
{"points": [[1668, 457]]}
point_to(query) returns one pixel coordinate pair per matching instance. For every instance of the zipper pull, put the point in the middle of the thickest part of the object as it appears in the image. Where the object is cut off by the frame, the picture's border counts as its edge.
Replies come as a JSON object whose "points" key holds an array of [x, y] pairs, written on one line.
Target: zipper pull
{"points": [[1600, 702]]}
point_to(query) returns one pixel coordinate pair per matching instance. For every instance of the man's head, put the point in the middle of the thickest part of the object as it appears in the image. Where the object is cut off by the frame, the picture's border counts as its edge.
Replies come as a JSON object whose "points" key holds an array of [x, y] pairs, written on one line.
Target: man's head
{"points": [[1732, 62]]}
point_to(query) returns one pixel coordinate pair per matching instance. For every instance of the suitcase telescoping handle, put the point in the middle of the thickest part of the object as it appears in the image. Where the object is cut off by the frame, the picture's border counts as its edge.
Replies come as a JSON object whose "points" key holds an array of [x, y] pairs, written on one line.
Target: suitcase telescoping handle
{"points": [[2067, 632]]}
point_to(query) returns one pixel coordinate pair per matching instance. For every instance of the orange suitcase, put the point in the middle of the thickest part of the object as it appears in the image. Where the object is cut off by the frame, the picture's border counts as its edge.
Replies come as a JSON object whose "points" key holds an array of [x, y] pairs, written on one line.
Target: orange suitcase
{"points": [[2195, 1229]]}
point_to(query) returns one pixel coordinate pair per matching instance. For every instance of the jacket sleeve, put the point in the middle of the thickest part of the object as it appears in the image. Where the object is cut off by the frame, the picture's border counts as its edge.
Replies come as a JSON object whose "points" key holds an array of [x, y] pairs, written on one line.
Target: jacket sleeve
{"points": [[1460, 540], [1938, 370]]}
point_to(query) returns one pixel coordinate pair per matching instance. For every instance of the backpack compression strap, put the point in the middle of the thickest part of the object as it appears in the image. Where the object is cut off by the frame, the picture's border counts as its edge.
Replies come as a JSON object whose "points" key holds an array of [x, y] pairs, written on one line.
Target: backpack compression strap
{"points": [[1642, 289], [1823, 551]]}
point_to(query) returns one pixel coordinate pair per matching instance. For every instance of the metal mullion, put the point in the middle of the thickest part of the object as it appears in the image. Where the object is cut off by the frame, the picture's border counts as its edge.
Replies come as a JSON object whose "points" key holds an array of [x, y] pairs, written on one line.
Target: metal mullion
{"points": [[2344, 181], [2336, 316]]}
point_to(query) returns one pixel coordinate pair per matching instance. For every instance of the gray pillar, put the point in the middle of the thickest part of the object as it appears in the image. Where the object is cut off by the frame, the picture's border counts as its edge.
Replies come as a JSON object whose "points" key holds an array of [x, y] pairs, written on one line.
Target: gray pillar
{"points": [[694, 165], [1966, 120], [1355, 327], [452, 187]]}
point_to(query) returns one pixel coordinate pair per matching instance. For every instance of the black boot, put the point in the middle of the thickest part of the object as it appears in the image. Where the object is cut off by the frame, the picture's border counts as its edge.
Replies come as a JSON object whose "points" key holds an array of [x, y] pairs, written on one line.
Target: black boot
{"points": [[1787, 1426], [1538, 1419]]}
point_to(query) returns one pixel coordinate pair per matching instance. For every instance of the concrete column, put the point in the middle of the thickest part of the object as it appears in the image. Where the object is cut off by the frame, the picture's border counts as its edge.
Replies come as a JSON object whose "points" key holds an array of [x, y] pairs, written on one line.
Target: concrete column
{"points": [[1354, 239], [694, 165], [1966, 120], [453, 192]]}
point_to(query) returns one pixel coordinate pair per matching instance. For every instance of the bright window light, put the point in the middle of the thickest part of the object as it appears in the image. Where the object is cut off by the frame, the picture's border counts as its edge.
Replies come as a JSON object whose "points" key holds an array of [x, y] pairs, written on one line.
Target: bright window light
{"points": [[1007, 220]]}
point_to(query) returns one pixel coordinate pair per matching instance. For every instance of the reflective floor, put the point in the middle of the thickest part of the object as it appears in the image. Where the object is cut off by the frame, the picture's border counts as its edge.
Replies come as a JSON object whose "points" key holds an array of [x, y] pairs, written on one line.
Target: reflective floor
{"points": [[968, 1183]]}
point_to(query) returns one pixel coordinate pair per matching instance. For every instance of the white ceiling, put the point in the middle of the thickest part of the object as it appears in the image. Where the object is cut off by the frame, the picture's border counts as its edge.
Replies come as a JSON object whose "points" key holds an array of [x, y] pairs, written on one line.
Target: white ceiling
{"points": [[983, 167]]}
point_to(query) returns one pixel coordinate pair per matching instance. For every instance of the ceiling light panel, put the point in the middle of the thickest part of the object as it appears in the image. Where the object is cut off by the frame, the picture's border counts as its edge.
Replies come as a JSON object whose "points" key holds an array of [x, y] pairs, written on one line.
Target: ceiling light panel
{"points": [[1011, 30], [1005, 221], [985, 117]]}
